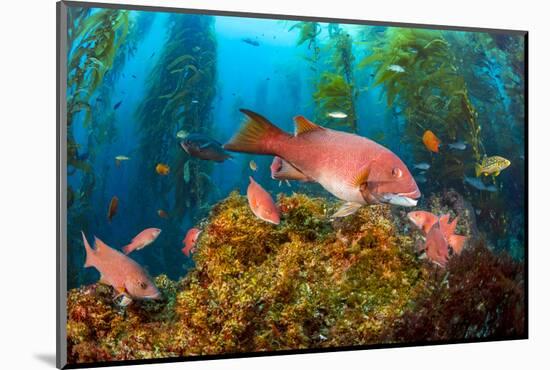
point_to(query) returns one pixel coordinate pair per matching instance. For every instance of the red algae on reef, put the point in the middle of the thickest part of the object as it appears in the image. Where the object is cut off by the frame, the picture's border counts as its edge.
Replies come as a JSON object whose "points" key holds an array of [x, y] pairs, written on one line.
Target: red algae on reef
{"points": [[306, 283]]}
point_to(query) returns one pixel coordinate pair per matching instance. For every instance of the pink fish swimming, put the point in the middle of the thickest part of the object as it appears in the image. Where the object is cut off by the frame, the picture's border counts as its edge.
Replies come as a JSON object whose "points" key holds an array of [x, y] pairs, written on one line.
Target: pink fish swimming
{"points": [[282, 170], [352, 168], [119, 271], [142, 240], [190, 241], [436, 246], [261, 203], [423, 220]]}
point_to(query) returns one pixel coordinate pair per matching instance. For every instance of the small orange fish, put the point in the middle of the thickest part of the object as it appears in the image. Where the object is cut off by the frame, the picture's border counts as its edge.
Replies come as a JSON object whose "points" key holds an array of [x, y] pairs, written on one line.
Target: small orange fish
{"points": [[431, 141], [113, 207], [162, 169], [261, 203], [162, 213], [190, 241]]}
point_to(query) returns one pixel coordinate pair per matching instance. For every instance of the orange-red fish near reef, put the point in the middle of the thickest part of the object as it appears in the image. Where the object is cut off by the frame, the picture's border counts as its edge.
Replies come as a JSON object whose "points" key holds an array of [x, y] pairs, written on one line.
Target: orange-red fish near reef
{"points": [[162, 213], [113, 207], [423, 220], [162, 169], [142, 240], [436, 246], [261, 203], [352, 168], [426, 221], [190, 241], [431, 141], [119, 271]]}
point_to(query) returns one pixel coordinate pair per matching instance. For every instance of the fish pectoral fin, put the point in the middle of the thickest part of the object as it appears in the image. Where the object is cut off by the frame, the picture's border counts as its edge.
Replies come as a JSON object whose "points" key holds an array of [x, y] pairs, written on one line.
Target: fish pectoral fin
{"points": [[304, 125], [361, 178], [346, 209]]}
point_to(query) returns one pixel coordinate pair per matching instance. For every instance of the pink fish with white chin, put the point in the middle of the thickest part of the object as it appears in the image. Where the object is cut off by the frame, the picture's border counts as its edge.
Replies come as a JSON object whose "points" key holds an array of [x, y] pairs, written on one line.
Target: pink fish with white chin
{"points": [[352, 168], [121, 272], [190, 241], [261, 203], [142, 240]]}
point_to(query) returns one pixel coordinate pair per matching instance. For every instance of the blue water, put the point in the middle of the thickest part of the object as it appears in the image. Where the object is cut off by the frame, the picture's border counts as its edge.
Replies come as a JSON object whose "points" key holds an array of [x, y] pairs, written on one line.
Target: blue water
{"points": [[274, 79]]}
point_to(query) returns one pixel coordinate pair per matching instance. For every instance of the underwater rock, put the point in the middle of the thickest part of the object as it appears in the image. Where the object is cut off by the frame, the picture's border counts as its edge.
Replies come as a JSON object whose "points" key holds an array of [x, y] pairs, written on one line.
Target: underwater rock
{"points": [[308, 282]]}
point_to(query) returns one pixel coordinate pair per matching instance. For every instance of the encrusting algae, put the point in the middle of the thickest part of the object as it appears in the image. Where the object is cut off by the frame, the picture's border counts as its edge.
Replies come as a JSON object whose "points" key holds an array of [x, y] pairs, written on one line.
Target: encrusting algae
{"points": [[308, 282]]}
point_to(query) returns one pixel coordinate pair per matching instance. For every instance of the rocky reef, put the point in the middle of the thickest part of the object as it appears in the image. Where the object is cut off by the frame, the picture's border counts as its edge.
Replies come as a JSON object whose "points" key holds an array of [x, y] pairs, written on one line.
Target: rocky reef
{"points": [[307, 283]]}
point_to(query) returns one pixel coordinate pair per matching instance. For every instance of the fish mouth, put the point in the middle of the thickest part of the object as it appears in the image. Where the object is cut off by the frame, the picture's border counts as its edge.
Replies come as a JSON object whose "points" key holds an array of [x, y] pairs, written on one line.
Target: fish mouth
{"points": [[403, 199]]}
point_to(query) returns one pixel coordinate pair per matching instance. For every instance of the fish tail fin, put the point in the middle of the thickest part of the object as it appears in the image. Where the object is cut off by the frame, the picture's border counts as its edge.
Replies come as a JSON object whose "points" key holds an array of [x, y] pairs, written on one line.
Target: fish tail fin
{"points": [[457, 243], [256, 135], [89, 252], [478, 170]]}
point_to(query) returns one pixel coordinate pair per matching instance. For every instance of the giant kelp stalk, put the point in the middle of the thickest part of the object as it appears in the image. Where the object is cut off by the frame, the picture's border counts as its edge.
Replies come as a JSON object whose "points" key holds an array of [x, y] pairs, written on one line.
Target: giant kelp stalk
{"points": [[418, 71], [179, 96], [94, 38], [336, 90]]}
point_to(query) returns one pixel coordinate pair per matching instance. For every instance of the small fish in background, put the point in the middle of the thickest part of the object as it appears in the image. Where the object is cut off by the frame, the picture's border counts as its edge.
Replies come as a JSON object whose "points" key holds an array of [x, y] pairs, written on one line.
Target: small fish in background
{"points": [[162, 213], [282, 170], [337, 115], [379, 136], [203, 147], [431, 142], [396, 68], [422, 166], [196, 48], [134, 76], [113, 208], [253, 166], [117, 105], [479, 185], [181, 134], [459, 145], [491, 166], [142, 240], [152, 55], [261, 203], [194, 101], [120, 158], [249, 41], [420, 179], [121, 272], [162, 169], [190, 241]]}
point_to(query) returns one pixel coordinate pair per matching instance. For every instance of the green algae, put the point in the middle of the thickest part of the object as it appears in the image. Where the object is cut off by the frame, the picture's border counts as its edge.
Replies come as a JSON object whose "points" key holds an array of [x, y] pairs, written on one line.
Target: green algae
{"points": [[306, 283]]}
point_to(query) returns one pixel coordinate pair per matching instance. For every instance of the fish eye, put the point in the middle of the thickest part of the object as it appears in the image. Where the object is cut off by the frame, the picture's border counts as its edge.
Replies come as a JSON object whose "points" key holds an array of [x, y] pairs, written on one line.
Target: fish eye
{"points": [[396, 172], [143, 285]]}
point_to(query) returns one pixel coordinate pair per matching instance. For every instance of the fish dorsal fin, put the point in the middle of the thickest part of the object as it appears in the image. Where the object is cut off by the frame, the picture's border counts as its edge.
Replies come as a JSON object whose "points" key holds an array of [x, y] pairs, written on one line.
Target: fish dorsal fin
{"points": [[99, 245], [304, 125]]}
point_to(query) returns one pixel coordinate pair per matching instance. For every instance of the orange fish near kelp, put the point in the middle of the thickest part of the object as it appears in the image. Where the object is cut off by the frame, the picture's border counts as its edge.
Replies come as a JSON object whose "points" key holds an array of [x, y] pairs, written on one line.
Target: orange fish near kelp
{"points": [[352, 168], [125, 275], [436, 246], [261, 203], [431, 142], [423, 220], [162, 169], [190, 241], [113, 208], [162, 213], [142, 240]]}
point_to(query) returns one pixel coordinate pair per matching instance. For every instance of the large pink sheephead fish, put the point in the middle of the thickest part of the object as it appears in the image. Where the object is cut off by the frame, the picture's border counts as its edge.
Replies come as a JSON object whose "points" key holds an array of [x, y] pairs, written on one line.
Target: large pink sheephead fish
{"points": [[352, 168]]}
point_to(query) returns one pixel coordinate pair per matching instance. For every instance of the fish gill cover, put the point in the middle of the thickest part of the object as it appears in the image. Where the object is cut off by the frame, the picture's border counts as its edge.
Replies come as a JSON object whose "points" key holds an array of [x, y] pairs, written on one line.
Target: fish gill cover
{"points": [[445, 107]]}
